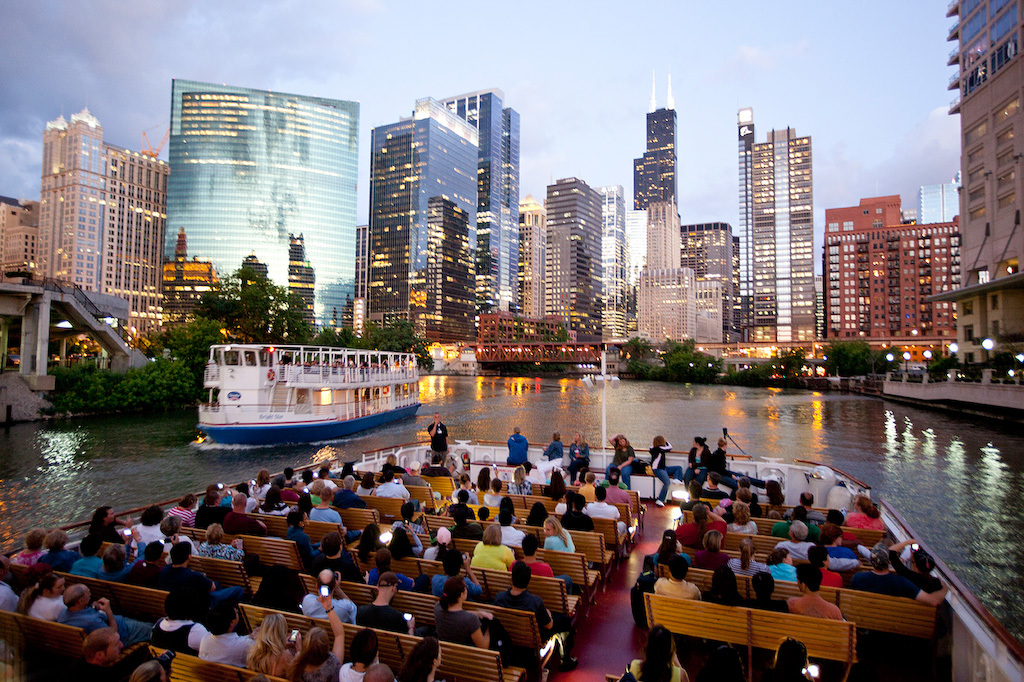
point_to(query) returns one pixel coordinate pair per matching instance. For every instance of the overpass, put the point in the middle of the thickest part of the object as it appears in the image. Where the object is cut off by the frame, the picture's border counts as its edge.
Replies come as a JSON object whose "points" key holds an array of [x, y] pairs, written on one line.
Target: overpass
{"points": [[562, 353], [47, 309]]}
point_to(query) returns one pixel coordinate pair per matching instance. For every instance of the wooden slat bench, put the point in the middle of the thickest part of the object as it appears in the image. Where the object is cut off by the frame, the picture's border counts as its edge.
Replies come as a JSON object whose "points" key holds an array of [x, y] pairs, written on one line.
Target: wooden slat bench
{"points": [[425, 494], [574, 565], [442, 485], [133, 601], [551, 591], [390, 508], [186, 668], [358, 519], [222, 571]]}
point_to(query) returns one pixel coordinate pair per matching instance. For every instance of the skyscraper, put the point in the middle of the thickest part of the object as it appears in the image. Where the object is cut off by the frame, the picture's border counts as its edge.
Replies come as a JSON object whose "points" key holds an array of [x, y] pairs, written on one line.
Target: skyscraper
{"points": [[783, 238], [19, 236], [184, 282], [431, 155], [707, 248], [666, 292], [745, 128], [252, 167], [654, 173], [301, 276], [532, 247], [636, 259], [939, 203], [102, 216], [613, 261], [573, 277], [497, 219], [358, 317]]}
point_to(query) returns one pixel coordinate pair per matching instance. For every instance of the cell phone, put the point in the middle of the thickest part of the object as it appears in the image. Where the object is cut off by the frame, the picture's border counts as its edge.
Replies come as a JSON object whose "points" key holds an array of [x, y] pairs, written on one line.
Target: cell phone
{"points": [[324, 590], [812, 669], [220, 486], [293, 637], [408, 617], [127, 532], [914, 546], [252, 482]]}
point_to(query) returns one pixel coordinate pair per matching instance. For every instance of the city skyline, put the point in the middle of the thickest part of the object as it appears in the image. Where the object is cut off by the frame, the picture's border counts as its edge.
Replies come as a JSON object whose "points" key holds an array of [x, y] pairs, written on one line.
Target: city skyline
{"points": [[568, 127]]}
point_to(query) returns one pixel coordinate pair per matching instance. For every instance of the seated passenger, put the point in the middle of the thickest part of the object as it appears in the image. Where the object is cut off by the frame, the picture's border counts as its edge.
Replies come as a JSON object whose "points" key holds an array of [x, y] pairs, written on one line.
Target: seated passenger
{"points": [[600, 509], [307, 550], [518, 597], [181, 630], [711, 557], [797, 544], [764, 585], [44, 599], [379, 613], [211, 511], [510, 536], [490, 553], [116, 565], [519, 484], [556, 537], [781, 529], [723, 588], [392, 487], [588, 488], [465, 485], [454, 624], [745, 564], [920, 564], [57, 557], [780, 565], [272, 653], [493, 497], [280, 589], [312, 606], [346, 496], [881, 581], [463, 528], [367, 485], [691, 534], [408, 511], [179, 576], [576, 518], [412, 477], [83, 612], [668, 548], [221, 643], [215, 548], [840, 558], [335, 557], [617, 490], [236, 522], [363, 652], [273, 505], [8, 598], [818, 557], [90, 564], [34, 548], [148, 528], [322, 510], [452, 563], [712, 490], [866, 514], [382, 561], [741, 521], [676, 585], [813, 516], [810, 603], [659, 663]]}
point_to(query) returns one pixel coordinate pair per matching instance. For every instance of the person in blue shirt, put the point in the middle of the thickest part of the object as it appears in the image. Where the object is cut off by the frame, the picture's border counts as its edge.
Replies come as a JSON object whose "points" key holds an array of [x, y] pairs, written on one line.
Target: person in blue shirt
{"points": [[115, 564], [346, 497], [579, 456], [382, 561], [58, 558], [453, 561], [90, 564], [307, 550], [83, 613], [553, 452], [881, 581], [518, 448]]}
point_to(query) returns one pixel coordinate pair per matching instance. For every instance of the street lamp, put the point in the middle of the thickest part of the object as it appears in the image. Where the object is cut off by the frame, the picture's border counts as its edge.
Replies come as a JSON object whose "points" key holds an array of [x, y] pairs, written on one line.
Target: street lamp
{"points": [[954, 348], [988, 344], [604, 378], [927, 355], [906, 359]]}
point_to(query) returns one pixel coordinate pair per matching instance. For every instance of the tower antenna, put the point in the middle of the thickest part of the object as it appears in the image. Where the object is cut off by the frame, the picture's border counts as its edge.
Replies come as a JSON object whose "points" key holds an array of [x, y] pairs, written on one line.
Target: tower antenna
{"points": [[654, 101]]}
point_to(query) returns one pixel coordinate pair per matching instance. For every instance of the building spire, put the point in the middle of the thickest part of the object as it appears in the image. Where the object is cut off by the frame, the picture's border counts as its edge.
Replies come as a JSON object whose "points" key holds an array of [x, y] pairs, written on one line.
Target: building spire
{"points": [[671, 103], [654, 101]]}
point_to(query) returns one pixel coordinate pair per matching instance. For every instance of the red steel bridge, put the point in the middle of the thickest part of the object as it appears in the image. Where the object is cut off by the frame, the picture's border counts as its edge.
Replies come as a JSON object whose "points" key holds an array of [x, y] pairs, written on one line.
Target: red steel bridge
{"points": [[539, 351]]}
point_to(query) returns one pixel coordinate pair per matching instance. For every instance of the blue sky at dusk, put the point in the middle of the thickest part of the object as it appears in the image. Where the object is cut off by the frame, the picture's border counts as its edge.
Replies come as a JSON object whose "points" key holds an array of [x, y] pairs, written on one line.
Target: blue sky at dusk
{"points": [[866, 80]]}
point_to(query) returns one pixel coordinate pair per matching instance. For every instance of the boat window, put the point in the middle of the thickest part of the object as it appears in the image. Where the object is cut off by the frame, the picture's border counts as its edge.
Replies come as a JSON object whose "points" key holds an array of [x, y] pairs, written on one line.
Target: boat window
{"points": [[266, 359], [231, 358], [250, 358]]}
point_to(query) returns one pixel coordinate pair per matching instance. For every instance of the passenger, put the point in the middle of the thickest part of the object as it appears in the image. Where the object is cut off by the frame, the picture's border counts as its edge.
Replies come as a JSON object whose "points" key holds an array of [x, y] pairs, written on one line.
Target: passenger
{"points": [[694, 489], [538, 514], [442, 542], [745, 494], [408, 511], [490, 553], [363, 652], [556, 537], [493, 497], [668, 548], [116, 565], [412, 477], [324, 474], [711, 490], [797, 544], [148, 528], [723, 665], [659, 663], [382, 565], [286, 479], [763, 585], [483, 481], [379, 672], [104, 524], [236, 522], [519, 484], [723, 588], [520, 598], [463, 528], [818, 557], [323, 512], [57, 557], [366, 485], [691, 534], [776, 498], [460, 502], [781, 529], [347, 497], [866, 514], [576, 518], [336, 558], [379, 613], [146, 572], [510, 536], [44, 599], [579, 457], [8, 598], [807, 502], [315, 606], [181, 630], [308, 551], [369, 543], [90, 564], [587, 490], [557, 492], [102, 658], [810, 603], [711, 557], [400, 546], [537, 567], [457, 625], [600, 509], [840, 558], [422, 663], [920, 564], [554, 452], [780, 564], [392, 487], [507, 503], [466, 485], [664, 473], [273, 505], [320, 658], [518, 450], [272, 652], [741, 521], [34, 548], [790, 663], [178, 575], [170, 528], [211, 511], [82, 612], [215, 548], [676, 585], [623, 458], [452, 563], [436, 468], [881, 581], [745, 564], [616, 489], [717, 462], [221, 643], [699, 453]]}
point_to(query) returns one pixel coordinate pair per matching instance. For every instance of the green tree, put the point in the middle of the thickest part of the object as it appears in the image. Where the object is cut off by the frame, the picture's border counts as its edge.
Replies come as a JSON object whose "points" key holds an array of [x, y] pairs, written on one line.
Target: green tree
{"points": [[337, 337], [399, 336], [855, 358], [255, 310], [190, 344], [684, 363]]}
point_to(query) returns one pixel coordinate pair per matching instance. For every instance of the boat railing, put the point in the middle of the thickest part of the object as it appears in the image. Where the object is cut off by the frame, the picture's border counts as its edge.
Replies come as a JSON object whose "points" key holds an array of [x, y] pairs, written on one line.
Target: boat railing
{"points": [[328, 375], [211, 374]]}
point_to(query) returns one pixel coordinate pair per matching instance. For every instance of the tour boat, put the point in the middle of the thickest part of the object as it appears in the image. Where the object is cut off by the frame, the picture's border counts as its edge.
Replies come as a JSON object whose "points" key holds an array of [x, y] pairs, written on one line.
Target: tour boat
{"points": [[266, 395]]}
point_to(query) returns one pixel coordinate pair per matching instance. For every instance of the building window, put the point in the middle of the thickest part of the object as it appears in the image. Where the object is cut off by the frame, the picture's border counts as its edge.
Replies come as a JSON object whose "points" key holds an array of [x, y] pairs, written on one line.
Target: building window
{"points": [[995, 301], [975, 133], [1004, 137], [968, 307]]}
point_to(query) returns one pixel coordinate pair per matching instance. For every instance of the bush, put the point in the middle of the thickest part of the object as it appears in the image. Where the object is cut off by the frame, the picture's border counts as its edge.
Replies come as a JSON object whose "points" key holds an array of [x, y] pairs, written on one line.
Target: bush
{"points": [[160, 385]]}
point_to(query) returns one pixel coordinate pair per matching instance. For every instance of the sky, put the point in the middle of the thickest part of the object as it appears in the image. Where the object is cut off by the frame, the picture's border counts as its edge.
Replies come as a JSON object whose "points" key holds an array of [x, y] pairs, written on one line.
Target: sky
{"points": [[866, 80]]}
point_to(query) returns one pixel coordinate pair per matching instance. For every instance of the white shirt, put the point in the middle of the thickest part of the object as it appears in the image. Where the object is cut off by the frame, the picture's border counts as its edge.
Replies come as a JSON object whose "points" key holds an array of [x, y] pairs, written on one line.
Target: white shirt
{"points": [[230, 648], [260, 493], [195, 635], [149, 534], [512, 537], [601, 510], [797, 550], [47, 608], [330, 484], [492, 500], [8, 600], [392, 488], [347, 674]]}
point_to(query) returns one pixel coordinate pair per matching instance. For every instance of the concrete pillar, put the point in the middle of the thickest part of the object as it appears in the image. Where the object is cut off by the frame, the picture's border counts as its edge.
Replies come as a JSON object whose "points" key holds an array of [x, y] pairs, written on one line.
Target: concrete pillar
{"points": [[5, 331], [42, 336], [28, 340], [951, 376], [986, 376], [64, 352]]}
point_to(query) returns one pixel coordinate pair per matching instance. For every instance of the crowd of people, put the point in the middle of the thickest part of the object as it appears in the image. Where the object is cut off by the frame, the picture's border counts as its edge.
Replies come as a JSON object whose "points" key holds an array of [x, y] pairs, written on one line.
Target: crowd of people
{"points": [[203, 618]]}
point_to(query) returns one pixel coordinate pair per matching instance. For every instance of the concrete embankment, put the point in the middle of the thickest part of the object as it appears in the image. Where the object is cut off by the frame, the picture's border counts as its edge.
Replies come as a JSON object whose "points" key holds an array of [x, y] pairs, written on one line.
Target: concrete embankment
{"points": [[24, 403]]}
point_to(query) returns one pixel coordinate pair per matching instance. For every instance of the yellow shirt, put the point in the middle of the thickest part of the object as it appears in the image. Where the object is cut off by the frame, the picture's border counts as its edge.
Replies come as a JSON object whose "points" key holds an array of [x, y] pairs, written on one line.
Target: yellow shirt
{"points": [[678, 674], [587, 491], [498, 557]]}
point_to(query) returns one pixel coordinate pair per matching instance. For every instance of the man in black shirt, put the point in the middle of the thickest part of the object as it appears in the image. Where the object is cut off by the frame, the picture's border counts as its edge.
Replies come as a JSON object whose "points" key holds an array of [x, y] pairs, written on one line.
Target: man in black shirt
{"points": [[438, 435], [211, 511], [336, 558], [379, 615], [557, 625], [574, 518]]}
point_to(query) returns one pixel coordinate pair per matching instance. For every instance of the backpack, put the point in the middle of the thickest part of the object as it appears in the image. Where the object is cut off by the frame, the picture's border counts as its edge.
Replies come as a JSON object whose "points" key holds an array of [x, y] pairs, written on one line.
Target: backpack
{"points": [[644, 584]]}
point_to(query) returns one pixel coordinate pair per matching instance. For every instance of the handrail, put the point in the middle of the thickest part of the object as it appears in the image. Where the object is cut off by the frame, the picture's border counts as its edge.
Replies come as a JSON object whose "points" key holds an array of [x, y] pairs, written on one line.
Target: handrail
{"points": [[839, 471]]}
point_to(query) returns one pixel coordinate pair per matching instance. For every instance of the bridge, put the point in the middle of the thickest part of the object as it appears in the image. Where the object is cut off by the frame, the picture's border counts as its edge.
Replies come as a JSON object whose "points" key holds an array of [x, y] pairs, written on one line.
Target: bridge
{"points": [[562, 353]]}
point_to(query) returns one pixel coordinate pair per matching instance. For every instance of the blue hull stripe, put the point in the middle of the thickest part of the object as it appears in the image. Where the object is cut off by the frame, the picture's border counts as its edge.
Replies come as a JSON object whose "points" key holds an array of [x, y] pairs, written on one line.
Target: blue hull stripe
{"points": [[273, 434]]}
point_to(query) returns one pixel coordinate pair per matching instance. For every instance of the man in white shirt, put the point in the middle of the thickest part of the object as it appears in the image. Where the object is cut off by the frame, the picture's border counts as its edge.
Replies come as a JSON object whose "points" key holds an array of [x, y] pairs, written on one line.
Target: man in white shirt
{"points": [[312, 608], [8, 599], [222, 644], [600, 509], [392, 487], [510, 536], [796, 544]]}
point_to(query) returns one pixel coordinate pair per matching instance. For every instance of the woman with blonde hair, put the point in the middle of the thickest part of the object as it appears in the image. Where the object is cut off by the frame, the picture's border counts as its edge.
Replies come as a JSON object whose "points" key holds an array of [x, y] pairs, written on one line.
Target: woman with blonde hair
{"points": [[556, 537], [320, 659], [215, 548], [745, 564], [490, 553], [519, 484], [262, 485], [741, 521], [33, 548], [271, 652]]}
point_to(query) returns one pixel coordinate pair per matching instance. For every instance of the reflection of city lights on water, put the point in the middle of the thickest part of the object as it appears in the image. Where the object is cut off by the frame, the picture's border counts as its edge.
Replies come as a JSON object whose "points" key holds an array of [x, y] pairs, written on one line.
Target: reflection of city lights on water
{"points": [[60, 449]]}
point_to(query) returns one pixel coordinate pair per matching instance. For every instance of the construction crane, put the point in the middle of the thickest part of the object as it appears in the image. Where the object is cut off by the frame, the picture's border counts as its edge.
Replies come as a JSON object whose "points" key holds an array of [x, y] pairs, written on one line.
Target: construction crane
{"points": [[148, 149]]}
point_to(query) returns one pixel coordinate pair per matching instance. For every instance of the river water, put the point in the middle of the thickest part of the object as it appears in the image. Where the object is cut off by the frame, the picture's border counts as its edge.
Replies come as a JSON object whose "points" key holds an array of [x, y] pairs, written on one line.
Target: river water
{"points": [[956, 481]]}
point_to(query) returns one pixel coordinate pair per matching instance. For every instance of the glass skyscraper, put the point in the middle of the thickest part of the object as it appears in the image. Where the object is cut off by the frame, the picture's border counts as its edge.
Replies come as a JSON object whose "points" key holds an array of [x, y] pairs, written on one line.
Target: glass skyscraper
{"points": [[938, 203], [423, 213], [613, 261], [497, 207], [745, 301], [654, 173], [249, 168]]}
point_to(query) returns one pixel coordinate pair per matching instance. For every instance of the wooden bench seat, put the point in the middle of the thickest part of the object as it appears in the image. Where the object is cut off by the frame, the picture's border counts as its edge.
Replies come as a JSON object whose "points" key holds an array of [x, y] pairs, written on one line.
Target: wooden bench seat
{"points": [[390, 508], [552, 591], [358, 519], [186, 668], [134, 601], [425, 494], [574, 565], [224, 572], [44, 636], [443, 485]]}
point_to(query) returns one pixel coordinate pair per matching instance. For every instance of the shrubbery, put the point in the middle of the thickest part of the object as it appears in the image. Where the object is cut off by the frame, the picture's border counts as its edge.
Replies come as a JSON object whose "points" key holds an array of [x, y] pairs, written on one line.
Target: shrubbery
{"points": [[160, 385]]}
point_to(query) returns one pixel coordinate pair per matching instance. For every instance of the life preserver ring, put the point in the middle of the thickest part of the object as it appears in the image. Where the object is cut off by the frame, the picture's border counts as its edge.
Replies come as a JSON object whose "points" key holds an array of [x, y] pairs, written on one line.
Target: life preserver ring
{"points": [[270, 374], [387, 389]]}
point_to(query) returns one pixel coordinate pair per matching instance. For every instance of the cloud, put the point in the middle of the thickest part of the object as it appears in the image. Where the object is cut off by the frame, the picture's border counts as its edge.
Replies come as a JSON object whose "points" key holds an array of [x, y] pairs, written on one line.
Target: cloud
{"points": [[20, 167], [748, 61]]}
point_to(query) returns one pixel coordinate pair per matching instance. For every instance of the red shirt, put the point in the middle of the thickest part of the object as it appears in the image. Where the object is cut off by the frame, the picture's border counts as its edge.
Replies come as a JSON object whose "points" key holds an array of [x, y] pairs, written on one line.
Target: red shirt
{"points": [[541, 568], [686, 533], [288, 495], [831, 578]]}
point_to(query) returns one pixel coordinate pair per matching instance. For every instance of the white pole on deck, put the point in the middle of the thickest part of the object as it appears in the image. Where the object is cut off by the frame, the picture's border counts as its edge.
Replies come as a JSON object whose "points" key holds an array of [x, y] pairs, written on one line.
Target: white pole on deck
{"points": [[604, 399]]}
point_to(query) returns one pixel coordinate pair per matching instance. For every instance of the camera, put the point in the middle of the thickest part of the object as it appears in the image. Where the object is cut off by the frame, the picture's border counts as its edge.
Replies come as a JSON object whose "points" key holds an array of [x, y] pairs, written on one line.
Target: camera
{"points": [[408, 617], [165, 659], [325, 591], [915, 546], [127, 532]]}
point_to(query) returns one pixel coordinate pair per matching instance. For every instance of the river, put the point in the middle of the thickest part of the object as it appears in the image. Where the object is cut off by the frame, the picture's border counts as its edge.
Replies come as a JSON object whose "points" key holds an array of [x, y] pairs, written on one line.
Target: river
{"points": [[957, 481]]}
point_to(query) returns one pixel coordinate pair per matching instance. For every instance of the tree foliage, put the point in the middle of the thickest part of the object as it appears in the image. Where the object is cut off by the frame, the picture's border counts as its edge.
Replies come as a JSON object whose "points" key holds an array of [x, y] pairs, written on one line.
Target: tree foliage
{"points": [[255, 310], [681, 362], [190, 344], [160, 385], [855, 358]]}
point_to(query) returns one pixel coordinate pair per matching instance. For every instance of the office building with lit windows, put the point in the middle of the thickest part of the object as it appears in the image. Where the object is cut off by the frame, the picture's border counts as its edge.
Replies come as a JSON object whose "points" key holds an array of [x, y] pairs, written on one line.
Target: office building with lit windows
{"points": [[250, 168], [19, 236], [301, 275], [532, 248], [613, 261], [707, 248], [573, 274], [783, 238], [745, 230], [422, 228], [989, 81], [184, 283], [938, 203], [497, 219]]}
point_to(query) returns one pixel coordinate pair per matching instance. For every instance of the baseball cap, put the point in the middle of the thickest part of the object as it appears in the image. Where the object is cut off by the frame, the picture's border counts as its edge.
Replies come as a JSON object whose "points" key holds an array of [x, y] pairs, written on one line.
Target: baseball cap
{"points": [[415, 466], [444, 536]]}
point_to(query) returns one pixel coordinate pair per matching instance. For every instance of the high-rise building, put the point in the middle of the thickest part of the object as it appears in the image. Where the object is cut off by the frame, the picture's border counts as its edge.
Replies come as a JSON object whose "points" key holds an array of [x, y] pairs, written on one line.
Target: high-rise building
{"points": [[252, 262], [251, 167], [989, 79], [636, 259], [184, 282], [819, 307], [497, 219], [939, 203], [19, 235], [654, 173], [745, 300], [301, 276], [783, 242], [880, 273], [532, 247], [707, 248], [667, 304], [357, 319], [102, 216], [613, 261], [430, 155], [573, 259], [710, 305], [664, 239]]}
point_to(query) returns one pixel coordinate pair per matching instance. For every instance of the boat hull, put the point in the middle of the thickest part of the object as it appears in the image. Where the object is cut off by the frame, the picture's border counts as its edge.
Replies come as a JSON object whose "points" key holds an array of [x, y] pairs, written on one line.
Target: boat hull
{"points": [[301, 432]]}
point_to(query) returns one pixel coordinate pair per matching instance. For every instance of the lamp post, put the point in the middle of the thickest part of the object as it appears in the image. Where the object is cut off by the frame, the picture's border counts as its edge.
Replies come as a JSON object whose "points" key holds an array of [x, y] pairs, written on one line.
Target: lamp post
{"points": [[604, 378], [906, 359]]}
